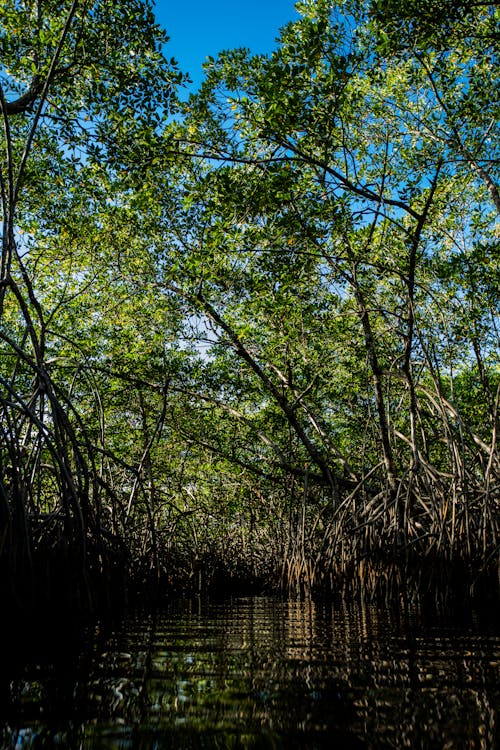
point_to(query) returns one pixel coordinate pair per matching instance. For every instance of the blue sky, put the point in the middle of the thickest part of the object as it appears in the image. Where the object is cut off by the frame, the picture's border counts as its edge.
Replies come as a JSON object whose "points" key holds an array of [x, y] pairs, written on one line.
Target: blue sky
{"points": [[198, 28]]}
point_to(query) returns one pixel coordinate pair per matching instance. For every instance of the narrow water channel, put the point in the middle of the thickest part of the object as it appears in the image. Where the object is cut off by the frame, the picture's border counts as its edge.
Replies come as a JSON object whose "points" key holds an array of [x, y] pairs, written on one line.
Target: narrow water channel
{"points": [[259, 672]]}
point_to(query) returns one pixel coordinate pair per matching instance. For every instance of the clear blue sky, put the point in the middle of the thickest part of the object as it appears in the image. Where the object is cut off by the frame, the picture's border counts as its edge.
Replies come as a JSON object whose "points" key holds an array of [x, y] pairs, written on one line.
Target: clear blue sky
{"points": [[197, 29]]}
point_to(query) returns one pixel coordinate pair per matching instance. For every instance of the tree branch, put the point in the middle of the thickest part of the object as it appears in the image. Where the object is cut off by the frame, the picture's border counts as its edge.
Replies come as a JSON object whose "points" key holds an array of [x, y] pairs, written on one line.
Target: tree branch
{"points": [[26, 101]]}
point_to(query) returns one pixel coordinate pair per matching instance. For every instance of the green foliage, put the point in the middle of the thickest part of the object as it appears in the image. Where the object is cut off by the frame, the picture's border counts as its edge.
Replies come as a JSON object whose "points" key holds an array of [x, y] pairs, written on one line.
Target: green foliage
{"points": [[271, 321], [347, 189]]}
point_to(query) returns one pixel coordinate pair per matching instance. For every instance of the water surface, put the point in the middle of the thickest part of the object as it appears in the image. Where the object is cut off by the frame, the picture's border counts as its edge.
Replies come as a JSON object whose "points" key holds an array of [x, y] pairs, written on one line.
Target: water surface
{"points": [[259, 672]]}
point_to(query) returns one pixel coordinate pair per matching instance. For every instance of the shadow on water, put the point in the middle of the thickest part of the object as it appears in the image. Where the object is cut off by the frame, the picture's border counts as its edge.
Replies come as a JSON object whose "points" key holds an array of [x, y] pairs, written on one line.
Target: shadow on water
{"points": [[253, 673]]}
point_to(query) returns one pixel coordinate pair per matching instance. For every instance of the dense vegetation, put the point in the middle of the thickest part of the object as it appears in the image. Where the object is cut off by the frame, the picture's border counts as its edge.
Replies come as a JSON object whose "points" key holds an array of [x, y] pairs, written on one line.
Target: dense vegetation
{"points": [[252, 337]]}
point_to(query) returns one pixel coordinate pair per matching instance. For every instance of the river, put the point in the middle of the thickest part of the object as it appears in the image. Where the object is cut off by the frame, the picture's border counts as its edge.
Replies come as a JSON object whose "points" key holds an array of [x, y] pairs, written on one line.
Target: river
{"points": [[261, 672]]}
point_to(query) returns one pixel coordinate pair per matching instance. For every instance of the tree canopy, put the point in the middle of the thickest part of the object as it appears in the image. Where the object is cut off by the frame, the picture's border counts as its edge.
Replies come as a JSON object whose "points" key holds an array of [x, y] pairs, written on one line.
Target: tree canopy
{"points": [[255, 333]]}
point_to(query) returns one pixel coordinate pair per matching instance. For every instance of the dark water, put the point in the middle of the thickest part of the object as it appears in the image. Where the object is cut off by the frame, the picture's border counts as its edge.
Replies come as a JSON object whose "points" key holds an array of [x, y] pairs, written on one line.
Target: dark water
{"points": [[260, 673]]}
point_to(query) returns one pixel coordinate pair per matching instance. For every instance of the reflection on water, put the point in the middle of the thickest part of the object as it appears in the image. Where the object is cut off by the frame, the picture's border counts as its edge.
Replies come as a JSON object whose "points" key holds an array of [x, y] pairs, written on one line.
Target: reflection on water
{"points": [[262, 673]]}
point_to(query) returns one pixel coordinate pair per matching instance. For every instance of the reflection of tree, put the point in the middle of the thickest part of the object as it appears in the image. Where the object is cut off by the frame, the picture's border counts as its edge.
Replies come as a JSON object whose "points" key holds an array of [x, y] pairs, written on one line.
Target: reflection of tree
{"points": [[262, 673]]}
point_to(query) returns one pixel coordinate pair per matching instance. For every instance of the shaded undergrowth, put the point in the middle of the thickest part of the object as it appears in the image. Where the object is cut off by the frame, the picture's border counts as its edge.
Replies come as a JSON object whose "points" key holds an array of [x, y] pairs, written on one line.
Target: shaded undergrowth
{"points": [[55, 581]]}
